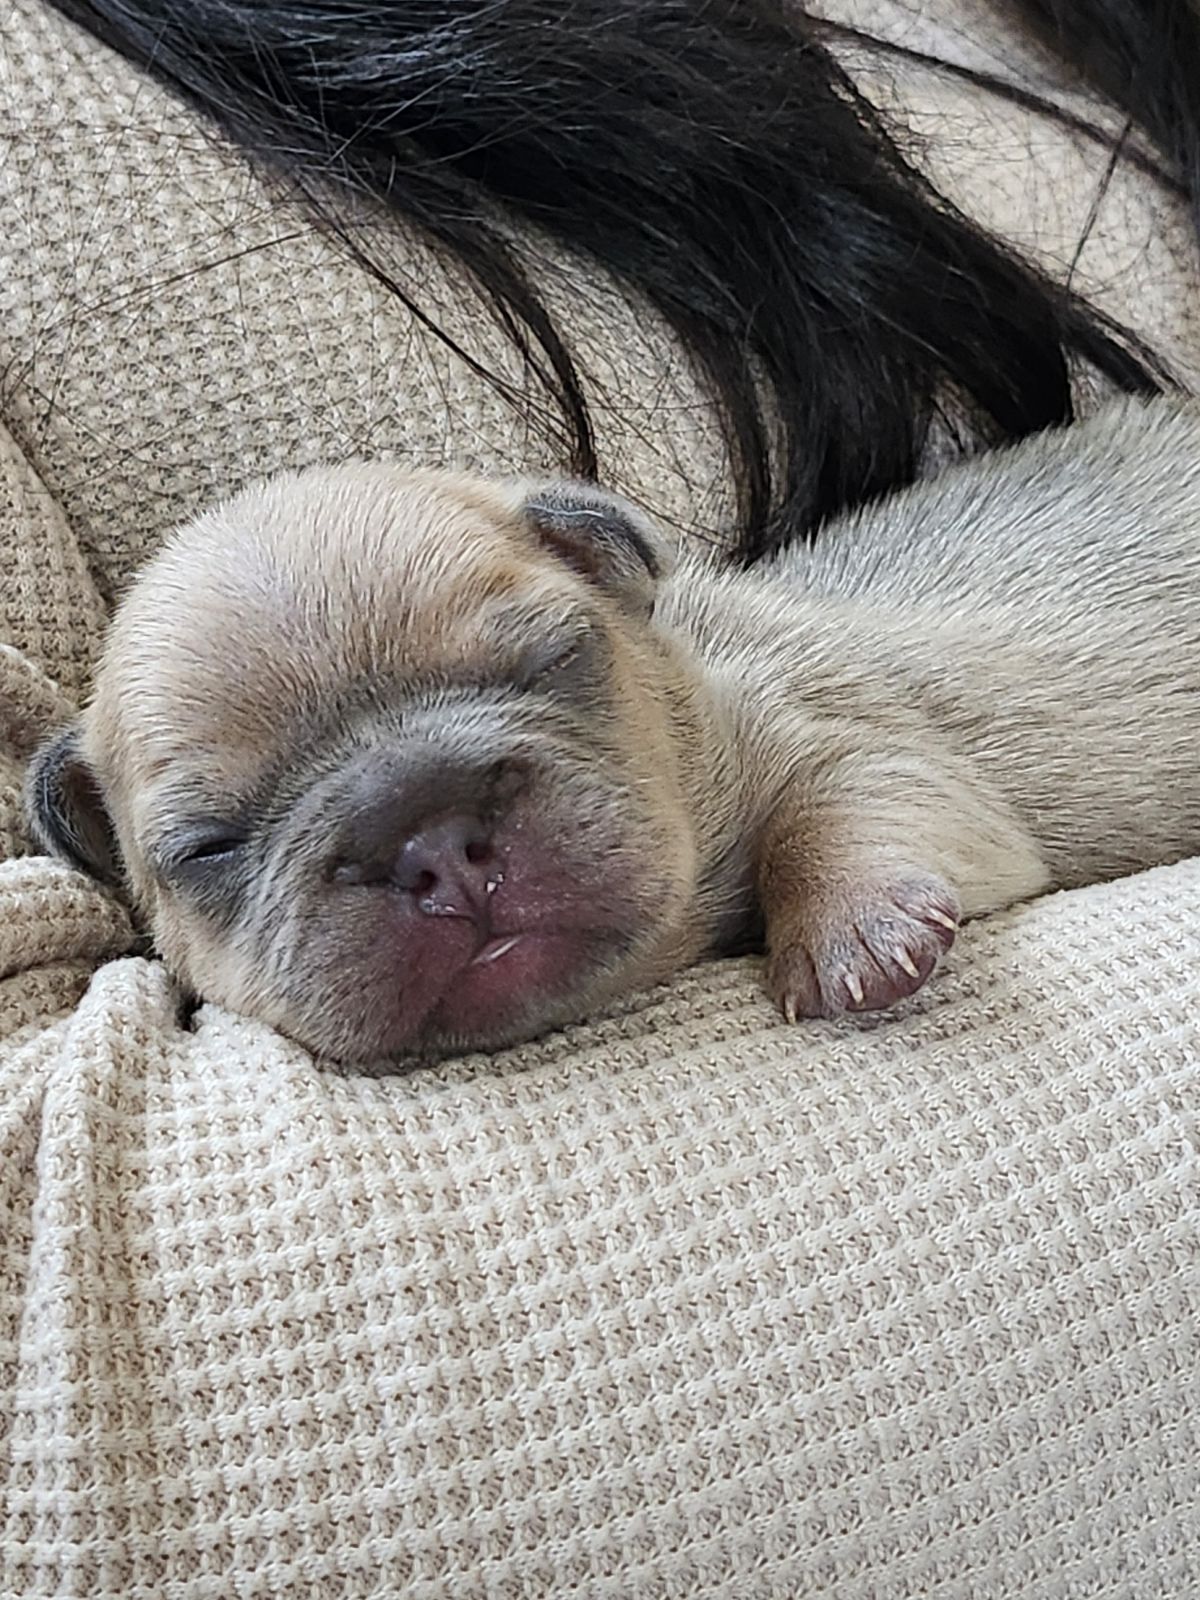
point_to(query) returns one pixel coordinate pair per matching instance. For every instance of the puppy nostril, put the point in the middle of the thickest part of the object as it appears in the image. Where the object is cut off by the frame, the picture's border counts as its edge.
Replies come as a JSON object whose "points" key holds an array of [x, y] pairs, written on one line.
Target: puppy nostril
{"points": [[444, 857], [447, 858]]}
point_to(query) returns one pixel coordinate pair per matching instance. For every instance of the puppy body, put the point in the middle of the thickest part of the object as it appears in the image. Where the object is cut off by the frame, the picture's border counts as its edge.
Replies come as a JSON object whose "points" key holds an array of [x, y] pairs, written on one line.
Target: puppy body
{"points": [[987, 687], [412, 762]]}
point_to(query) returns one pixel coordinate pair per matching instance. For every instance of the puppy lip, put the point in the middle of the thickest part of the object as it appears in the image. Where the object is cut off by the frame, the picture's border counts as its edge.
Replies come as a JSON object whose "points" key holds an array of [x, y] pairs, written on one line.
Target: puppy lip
{"points": [[488, 999], [494, 945]]}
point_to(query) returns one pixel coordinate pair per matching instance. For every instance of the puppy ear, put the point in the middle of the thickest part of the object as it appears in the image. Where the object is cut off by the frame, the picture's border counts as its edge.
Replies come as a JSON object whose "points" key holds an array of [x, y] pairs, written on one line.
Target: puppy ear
{"points": [[603, 538], [66, 810]]}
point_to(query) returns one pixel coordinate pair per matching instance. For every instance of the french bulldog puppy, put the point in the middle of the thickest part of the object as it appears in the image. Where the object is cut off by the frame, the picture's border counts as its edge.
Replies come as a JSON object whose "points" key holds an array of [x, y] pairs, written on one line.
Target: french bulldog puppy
{"points": [[405, 763]]}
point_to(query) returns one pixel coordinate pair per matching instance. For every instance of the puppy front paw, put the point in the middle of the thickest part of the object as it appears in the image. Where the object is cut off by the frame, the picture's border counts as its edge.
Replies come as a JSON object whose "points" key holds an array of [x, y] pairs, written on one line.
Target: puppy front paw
{"points": [[860, 945]]}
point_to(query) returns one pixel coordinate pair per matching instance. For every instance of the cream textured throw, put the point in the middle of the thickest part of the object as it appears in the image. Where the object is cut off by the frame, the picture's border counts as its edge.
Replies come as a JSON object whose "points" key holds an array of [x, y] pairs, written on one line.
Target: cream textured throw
{"points": [[684, 1304]]}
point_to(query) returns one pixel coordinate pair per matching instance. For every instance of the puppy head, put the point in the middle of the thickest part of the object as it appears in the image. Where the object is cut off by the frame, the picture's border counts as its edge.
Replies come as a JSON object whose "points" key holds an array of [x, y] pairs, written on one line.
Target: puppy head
{"points": [[393, 761]]}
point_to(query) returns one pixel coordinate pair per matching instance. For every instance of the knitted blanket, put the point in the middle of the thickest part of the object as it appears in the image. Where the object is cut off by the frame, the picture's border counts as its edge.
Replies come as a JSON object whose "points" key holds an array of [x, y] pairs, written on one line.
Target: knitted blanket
{"points": [[686, 1303]]}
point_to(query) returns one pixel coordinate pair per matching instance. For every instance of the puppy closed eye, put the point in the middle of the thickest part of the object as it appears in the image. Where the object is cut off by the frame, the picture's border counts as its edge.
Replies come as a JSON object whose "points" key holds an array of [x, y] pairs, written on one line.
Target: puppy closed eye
{"points": [[199, 851], [559, 661]]}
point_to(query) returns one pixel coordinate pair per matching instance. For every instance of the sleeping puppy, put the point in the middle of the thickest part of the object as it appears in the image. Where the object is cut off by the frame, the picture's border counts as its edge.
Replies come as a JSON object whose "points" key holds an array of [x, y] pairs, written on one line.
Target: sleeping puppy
{"points": [[407, 763]]}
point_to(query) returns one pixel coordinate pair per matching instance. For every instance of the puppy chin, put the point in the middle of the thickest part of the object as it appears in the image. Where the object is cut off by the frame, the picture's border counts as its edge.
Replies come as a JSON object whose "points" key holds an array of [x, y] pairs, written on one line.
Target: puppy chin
{"points": [[454, 999], [510, 988]]}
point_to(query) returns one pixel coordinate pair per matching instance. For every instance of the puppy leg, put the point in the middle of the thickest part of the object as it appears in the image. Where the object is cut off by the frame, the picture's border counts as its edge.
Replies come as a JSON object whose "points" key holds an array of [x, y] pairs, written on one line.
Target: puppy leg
{"points": [[865, 870]]}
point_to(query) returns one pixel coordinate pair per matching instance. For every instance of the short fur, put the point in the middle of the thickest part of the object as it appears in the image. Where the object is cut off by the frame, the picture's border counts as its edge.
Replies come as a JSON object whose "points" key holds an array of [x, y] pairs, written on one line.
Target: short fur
{"points": [[413, 762]]}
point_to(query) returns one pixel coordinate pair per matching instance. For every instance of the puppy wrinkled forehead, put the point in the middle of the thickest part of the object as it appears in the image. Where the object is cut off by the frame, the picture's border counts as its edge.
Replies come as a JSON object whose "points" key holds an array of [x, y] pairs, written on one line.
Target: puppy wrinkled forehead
{"points": [[301, 549], [313, 580], [303, 609]]}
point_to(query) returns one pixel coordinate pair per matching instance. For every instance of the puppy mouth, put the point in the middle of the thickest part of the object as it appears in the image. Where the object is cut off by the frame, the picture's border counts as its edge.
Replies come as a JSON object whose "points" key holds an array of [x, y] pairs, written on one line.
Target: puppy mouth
{"points": [[494, 956], [511, 978]]}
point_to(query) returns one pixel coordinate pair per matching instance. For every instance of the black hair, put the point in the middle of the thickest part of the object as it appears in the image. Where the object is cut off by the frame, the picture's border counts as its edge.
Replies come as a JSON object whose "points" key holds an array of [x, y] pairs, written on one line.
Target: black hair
{"points": [[1144, 57], [715, 157]]}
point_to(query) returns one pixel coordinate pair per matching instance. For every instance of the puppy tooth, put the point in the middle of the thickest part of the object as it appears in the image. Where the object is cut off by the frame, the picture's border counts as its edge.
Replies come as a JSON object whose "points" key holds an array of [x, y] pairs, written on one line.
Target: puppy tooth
{"points": [[491, 953], [904, 960], [940, 916], [854, 989]]}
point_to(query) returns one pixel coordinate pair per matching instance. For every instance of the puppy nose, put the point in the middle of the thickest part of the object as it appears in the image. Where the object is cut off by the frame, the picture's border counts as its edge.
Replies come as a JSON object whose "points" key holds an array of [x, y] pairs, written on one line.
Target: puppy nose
{"points": [[448, 864], [453, 852]]}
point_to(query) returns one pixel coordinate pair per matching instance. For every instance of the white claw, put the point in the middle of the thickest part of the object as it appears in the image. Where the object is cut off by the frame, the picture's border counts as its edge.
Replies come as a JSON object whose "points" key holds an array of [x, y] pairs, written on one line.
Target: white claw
{"points": [[946, 922], [904, 960], [854, 988]]}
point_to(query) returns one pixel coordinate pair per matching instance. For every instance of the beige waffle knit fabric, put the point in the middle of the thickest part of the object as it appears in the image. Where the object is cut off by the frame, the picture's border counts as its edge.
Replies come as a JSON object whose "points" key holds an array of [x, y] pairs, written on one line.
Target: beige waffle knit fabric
{"points": [[684, 1304]]}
